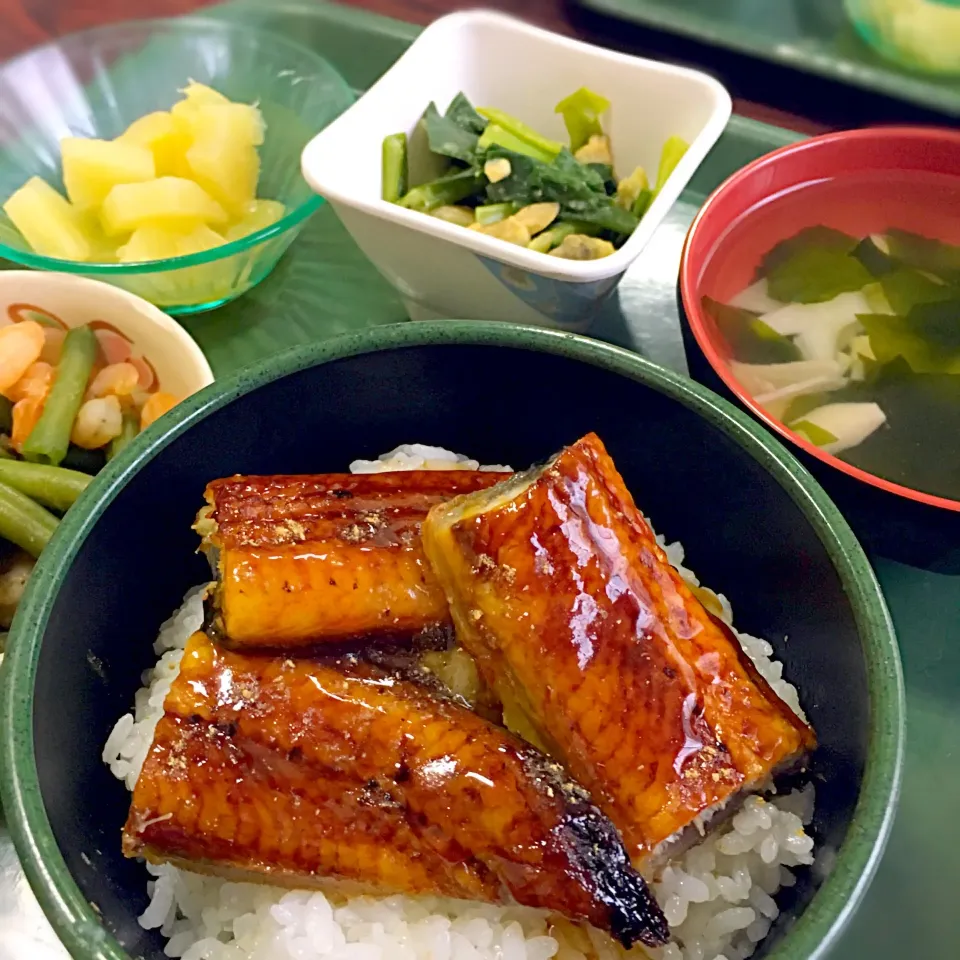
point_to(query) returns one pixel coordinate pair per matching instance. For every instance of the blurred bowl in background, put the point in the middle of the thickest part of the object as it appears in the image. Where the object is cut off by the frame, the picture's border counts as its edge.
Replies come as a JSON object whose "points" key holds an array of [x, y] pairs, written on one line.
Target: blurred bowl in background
{"points": [[918, 34]]}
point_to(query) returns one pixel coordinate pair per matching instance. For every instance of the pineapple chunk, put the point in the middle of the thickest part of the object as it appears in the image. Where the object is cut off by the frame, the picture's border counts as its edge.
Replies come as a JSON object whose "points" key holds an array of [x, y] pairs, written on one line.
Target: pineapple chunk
{"points": [[102, 248], [47, 221], [91, 168], [149, 242], [153, 242], [167, 201], [166, 137], [236, 122], [197, 95], [200, 238], [258, 215], [223, 157]]}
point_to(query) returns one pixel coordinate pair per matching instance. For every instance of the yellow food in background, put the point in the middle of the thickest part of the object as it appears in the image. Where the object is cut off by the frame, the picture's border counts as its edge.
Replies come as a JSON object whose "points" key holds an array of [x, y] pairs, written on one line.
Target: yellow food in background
{"points": [[173, 183]]}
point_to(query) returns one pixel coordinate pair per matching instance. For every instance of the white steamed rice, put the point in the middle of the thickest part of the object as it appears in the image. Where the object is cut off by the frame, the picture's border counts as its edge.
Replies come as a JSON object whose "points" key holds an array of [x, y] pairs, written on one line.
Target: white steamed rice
{"points": [[717, 896]]}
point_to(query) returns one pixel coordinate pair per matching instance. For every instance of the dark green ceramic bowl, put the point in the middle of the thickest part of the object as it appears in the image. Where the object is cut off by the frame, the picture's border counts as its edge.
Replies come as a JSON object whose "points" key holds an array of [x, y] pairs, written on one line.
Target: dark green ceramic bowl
{"points": [[755, 525]]}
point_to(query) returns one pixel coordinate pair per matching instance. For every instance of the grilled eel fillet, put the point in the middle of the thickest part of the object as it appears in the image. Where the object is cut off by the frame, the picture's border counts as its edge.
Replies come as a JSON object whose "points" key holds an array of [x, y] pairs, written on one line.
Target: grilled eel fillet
{"points": [[559, 589], [307, 560], [297, 771]]}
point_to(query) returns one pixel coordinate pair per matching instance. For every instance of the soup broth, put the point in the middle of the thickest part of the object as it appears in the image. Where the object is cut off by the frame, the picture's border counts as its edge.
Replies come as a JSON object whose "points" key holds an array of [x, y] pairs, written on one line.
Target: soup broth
{"points": [[837, 307]]}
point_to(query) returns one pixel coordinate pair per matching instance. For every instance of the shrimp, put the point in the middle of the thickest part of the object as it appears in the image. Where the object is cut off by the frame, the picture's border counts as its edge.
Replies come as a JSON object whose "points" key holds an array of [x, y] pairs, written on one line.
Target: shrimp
{"points": [[98, 422], [156, 406], [115, 380], [35, 382], [26, 413], [20, 346]]}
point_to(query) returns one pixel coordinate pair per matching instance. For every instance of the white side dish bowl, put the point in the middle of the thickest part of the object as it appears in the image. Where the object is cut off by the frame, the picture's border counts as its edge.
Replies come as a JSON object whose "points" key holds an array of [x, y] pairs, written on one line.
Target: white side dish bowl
{"points": [[443, 270]]}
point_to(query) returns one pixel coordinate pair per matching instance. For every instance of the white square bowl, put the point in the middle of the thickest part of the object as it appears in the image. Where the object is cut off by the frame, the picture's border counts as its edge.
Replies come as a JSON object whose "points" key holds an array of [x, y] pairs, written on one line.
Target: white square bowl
{"points": [[443, 270]]}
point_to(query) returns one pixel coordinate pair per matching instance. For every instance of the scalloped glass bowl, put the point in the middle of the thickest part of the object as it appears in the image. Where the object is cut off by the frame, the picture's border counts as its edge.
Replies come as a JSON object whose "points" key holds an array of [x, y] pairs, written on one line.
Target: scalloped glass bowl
{"points": [[95, 83]]}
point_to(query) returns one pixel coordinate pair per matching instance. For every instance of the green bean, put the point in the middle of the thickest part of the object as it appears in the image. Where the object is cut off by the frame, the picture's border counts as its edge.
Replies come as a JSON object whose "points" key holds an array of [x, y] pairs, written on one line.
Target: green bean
{"points": [[6, 415], [5, 454], [644, 199], [443, 192], [393, 176], [494, 213], [520, 131], [50, 438], [555, 235], [581, 115], [24, 522], [131, 427], [52, 486], [670, 156], [497, 136]]}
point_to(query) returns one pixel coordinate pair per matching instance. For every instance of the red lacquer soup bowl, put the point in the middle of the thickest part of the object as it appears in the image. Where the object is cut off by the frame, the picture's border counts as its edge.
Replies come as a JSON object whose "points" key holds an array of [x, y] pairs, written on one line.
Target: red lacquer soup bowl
{"points": [[861, 182]]}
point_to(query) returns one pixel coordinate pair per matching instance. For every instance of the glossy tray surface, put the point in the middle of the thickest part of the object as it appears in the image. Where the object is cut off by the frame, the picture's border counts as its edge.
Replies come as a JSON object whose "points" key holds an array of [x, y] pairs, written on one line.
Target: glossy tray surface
{"points": [[324, 286]]}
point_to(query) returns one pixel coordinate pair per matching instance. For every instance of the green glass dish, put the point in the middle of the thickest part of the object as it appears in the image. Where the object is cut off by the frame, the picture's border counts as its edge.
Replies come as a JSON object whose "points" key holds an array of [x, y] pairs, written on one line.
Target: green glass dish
{"points": [[754, 522], [95, 83]]}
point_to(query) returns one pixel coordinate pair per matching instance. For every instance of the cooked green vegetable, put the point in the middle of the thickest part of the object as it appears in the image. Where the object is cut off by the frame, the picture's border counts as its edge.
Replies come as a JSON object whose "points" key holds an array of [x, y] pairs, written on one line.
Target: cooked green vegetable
{"points": [[555, 235], [52, 486], [497, 136], [581, 113], [493, 213], [5, 454], [924, 253], [814, 266], [671, 154], [460, 216], [446, 190], [928, 337], [24, 522], [394, 167], [6, 415], [750, 339], [462, 113], [906, 288], [50, 438], [578, 189], [131, 427], [519, 130], [448, 138], [816, 435], [495, 164]]}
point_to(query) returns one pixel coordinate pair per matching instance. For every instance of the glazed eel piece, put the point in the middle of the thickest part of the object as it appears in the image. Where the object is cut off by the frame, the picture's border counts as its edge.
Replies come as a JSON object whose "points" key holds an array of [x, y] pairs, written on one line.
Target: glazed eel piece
{"points": [[301, 772], [307, 560], [578, 621]]}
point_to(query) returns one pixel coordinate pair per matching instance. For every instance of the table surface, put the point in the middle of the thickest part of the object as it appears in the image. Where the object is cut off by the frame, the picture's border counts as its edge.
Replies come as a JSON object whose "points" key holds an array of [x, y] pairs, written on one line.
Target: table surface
{"points": [[915, 879]]}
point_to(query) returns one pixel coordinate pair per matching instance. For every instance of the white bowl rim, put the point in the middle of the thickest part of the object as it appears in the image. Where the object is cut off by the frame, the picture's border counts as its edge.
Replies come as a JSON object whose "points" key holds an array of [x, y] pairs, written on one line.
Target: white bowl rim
{"points": [[201, 372], [586, 271]]}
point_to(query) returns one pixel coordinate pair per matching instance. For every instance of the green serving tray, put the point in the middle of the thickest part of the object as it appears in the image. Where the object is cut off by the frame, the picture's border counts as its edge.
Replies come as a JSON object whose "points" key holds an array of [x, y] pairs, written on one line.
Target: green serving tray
{"points": [[324, 286], [810, 36]]}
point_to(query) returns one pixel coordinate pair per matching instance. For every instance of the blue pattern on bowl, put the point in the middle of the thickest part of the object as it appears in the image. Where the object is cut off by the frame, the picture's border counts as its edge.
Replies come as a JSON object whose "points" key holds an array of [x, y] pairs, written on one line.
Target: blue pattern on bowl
{"points": [[569, 306]]}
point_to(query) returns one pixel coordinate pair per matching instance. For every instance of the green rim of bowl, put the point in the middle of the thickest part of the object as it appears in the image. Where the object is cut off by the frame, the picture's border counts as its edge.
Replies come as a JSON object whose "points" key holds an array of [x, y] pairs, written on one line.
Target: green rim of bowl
{"points": [[810, 937], [288, 221]]}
